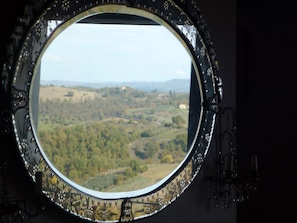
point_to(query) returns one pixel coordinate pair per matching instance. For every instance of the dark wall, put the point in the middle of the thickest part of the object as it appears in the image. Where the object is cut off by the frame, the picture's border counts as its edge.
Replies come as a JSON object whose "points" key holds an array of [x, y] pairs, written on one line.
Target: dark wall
{"points": [[266, 102], [195, 204]]}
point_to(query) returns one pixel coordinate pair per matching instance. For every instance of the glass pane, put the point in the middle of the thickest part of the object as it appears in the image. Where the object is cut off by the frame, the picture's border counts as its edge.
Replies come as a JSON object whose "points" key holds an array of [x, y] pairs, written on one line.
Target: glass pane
{"points": [[113, 105]]}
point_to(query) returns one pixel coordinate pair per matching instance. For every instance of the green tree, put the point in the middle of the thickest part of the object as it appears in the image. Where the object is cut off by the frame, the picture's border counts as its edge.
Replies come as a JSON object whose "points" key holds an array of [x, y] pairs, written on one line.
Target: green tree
{"points": [[167, 159], [70, 94], [178, 121]]}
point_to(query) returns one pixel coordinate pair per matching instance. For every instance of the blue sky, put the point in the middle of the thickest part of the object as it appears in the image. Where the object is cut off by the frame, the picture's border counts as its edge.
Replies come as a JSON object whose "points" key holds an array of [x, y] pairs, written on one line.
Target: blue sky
{"points": [[104, 53]]}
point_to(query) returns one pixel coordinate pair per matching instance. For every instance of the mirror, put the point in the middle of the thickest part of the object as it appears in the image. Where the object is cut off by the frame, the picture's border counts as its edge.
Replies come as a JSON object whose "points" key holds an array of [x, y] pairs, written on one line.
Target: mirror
{"points": [[113, 104], [113, 142]]}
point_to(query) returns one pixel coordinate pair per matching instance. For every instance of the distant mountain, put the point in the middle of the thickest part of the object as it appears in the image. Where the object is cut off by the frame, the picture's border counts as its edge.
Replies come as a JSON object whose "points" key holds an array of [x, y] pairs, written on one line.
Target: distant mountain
{"points": [[175, 85]]}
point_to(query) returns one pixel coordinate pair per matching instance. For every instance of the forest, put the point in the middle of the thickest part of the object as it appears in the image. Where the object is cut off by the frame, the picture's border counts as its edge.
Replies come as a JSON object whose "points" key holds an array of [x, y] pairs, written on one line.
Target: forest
{"points": [[103, 138]]}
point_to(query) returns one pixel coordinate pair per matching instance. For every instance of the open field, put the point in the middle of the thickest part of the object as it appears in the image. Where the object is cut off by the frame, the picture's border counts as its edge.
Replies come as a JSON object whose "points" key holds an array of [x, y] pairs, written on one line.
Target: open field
{"points": [[57, 92], [154, 174]]}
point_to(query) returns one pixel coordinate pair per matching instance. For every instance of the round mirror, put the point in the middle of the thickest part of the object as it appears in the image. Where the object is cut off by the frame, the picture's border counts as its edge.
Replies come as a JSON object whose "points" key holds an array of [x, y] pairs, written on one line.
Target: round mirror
{"points": [[114, 104]]}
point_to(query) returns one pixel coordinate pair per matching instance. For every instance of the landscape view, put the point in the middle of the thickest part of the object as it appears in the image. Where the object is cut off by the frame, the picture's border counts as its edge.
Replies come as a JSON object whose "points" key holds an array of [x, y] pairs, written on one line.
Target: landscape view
{"points": [[113, 138], [126, 128]]}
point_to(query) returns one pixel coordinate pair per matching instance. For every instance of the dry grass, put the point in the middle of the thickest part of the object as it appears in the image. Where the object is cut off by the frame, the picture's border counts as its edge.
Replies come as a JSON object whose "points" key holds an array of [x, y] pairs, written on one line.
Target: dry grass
{"points": [[153, 175], [56, 92]]}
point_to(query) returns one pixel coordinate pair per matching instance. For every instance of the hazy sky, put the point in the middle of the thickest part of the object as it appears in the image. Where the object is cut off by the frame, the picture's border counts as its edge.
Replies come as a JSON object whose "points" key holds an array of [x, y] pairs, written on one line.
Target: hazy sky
{"points": [[101, 53]]}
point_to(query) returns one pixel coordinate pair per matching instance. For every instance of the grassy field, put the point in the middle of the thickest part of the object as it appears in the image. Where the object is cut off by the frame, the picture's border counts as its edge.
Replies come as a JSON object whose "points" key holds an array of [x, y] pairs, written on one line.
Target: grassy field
{"points": [[153, 175], [57, 92]]}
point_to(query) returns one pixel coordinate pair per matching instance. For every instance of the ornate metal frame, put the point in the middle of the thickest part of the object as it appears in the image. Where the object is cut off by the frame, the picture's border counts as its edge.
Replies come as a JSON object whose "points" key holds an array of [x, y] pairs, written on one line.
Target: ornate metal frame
{"points": [[30, 39]]}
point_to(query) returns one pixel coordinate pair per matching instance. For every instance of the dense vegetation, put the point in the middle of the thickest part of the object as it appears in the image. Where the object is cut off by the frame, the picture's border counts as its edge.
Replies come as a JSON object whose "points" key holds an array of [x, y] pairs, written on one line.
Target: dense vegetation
{"points": [[110, 138], [108, 102]]}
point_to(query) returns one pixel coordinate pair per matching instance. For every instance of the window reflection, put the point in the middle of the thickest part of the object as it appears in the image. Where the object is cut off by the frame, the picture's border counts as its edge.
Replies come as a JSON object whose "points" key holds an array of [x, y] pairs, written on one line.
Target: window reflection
{"points": [[113, 105]]}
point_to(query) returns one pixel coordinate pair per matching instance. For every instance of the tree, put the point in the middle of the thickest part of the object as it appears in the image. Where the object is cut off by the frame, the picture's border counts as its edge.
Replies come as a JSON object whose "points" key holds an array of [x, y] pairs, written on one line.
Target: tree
{"points": [[167, 159], [70, 94], [178, 121]]}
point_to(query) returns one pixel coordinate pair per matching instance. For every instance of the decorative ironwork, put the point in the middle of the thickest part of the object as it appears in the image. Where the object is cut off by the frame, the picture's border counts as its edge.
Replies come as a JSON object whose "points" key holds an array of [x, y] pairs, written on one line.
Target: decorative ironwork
{"points": [[229, 186]]}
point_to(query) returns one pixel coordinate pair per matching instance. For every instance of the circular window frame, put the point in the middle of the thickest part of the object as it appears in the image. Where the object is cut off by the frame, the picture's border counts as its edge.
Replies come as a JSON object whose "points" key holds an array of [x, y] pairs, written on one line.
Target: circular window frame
{"points": [[182, 19]]}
